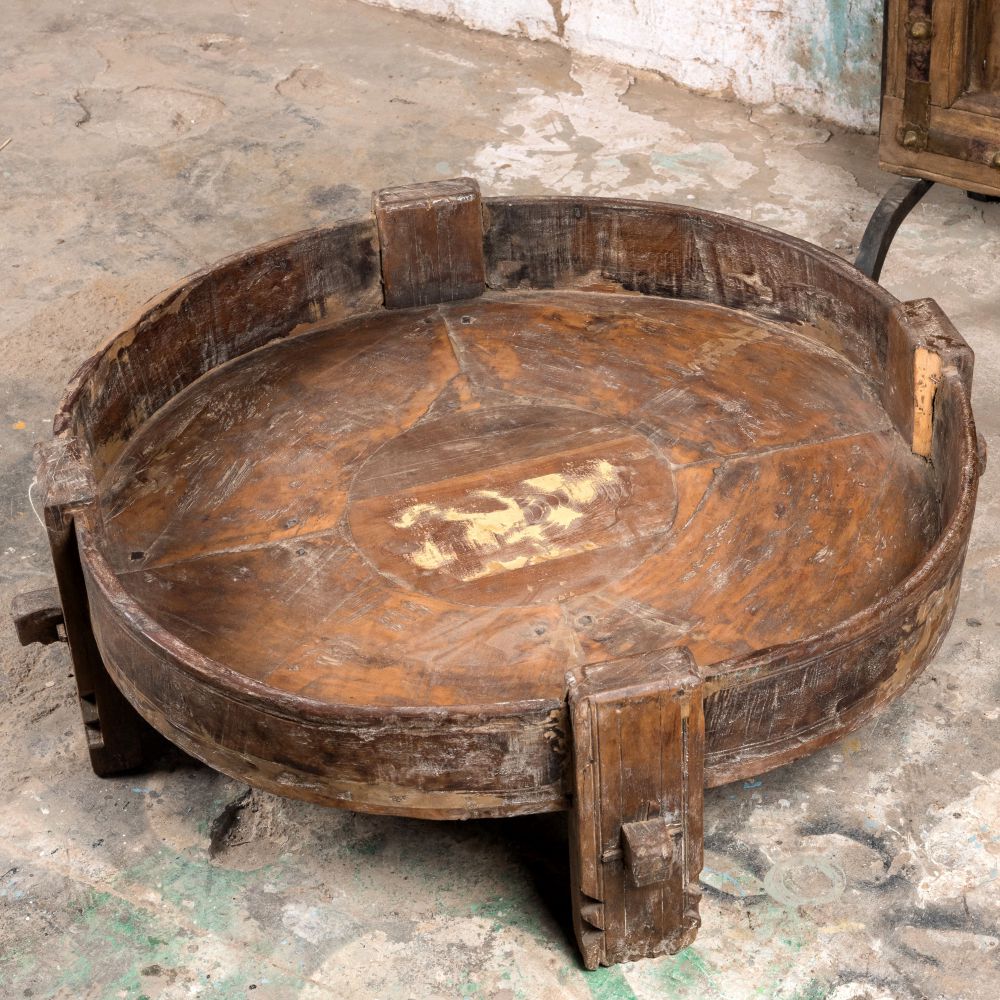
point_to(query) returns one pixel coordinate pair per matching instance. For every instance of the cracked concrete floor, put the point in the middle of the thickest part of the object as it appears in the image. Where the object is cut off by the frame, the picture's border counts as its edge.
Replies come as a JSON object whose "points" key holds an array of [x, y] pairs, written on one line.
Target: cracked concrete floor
{"points": [[144, 146]]}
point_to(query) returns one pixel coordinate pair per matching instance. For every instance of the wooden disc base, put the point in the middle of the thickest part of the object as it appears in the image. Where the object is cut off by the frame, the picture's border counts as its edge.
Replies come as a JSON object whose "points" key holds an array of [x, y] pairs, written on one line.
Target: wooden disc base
{"points": [[456, 504]]}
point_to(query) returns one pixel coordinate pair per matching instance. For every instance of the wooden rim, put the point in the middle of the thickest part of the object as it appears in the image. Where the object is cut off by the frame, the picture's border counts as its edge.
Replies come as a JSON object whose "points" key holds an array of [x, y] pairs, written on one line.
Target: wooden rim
{"points": [[725, 674], [427, 500], [728, 673], [165, 300], [847, 671]]}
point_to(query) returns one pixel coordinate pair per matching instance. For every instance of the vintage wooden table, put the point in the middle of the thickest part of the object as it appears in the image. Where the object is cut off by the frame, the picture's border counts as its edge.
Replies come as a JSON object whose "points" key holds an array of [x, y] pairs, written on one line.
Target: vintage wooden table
{"points": [[479, 508]]}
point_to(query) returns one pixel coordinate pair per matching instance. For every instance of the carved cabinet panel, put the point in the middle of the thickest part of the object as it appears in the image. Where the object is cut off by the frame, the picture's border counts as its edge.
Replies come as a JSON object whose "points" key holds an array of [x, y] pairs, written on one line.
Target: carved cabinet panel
{"points": [[941, 99]]}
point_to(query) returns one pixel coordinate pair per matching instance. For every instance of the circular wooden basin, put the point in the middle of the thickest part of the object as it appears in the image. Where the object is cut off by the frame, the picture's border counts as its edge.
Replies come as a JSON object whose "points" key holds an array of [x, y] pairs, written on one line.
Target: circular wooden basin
{"points": [[478, 508], [453, 505]]}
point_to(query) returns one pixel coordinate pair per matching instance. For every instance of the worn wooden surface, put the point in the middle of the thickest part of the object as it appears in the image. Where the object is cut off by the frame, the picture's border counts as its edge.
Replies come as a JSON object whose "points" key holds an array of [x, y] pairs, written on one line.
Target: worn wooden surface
{"points": [[118, 738], [306, 534], [277, 290], [545, 482], [37, 616], [344, 533], [431, 242], [941, 100], [636, 822]]}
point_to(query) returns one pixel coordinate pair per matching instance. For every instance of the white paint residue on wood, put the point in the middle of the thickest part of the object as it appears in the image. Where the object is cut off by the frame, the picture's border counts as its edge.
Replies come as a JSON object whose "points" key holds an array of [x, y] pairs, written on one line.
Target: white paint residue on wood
{"points": [[502, 531]]}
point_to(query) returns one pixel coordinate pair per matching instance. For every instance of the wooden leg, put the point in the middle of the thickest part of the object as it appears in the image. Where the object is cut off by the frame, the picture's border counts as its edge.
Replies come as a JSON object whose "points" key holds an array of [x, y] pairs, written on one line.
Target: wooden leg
{"points": [[636, 822], [118, 738], [886, 219]]}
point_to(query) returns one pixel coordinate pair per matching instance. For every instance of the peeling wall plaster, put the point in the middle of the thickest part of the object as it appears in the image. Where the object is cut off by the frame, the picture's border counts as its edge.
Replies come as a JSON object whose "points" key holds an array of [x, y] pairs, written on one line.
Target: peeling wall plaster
{"points": [[819, 57]]}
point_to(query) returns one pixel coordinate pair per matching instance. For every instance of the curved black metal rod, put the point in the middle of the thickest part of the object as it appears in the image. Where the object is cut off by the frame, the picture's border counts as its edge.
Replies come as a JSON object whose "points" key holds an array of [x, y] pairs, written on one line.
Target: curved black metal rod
{"points": [[897, 204]]}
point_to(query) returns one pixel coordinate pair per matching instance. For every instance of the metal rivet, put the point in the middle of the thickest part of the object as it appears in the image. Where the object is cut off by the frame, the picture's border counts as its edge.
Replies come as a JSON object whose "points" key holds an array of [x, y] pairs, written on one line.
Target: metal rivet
{"points": [[911, 139], [920, 30]]}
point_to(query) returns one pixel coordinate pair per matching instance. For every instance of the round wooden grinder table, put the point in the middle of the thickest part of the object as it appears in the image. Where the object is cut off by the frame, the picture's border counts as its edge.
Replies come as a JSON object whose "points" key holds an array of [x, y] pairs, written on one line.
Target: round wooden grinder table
{"points": [[485, 507]]}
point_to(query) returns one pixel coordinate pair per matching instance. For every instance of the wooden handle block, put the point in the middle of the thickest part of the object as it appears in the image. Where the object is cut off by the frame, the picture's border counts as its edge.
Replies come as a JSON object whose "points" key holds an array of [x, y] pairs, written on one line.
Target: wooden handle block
{"points": [[636, 821], [649, 849], [922, 346], [431, 242], [65, 480], [37, 616]]}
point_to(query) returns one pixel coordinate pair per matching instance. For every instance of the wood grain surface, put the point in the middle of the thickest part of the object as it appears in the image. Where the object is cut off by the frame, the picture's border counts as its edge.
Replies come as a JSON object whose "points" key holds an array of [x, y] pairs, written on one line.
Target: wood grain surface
{"points": [[487, 508], [636, 825], [941, 94], [348, 552], [539, 485]]}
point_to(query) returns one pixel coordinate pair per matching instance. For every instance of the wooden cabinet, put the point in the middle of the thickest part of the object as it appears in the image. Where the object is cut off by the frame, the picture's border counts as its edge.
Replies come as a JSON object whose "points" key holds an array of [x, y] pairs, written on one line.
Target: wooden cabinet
{"points": [[941, 99]]}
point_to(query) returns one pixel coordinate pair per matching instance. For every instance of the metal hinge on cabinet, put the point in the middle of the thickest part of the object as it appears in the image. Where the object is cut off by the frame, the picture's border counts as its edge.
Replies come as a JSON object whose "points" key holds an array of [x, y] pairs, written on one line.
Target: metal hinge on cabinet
{"points": [[912, 134]]}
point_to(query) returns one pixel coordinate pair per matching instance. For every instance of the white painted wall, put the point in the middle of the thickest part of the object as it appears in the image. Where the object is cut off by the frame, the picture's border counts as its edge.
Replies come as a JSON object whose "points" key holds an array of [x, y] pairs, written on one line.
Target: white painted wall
{"points": [[820, 57]]}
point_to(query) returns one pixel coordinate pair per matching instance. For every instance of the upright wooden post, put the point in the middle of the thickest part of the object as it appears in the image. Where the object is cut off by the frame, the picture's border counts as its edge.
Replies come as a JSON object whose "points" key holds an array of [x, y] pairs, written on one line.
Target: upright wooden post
{"points": [[636, 821], [431, 242], [118, 738]]}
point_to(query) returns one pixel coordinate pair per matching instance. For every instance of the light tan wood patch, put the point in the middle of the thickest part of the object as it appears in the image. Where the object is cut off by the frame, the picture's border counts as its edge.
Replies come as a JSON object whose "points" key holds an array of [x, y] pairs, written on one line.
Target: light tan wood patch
{"points": [[926, 377]]}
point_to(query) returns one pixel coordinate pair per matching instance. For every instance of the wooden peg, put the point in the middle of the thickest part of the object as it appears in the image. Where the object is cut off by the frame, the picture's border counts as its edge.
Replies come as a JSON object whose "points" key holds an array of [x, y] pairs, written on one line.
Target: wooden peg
{"points": [[431, 242]]}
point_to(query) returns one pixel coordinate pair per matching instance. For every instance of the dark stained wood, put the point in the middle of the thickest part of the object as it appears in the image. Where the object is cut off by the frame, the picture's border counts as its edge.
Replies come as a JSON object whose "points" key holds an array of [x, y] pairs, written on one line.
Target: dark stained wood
{"points": [[118, 738], [37, 616], [636, 820], [431, 242], [616, 246], [349, 553], [984, 59], [650, 850], [277, 290]]}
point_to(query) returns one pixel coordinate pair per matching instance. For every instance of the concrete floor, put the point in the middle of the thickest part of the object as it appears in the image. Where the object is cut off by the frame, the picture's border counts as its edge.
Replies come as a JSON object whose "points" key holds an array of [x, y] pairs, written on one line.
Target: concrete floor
{"points": [[144, 146]]}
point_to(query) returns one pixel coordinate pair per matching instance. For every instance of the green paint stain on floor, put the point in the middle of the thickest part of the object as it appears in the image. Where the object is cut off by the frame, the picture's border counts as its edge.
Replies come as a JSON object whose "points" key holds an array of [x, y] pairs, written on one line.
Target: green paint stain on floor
{"points": [[112, 941], [686, 974], [507, 911], [208, 894], [238, 985], [119, 948], [609, 984], [813, 990]]}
